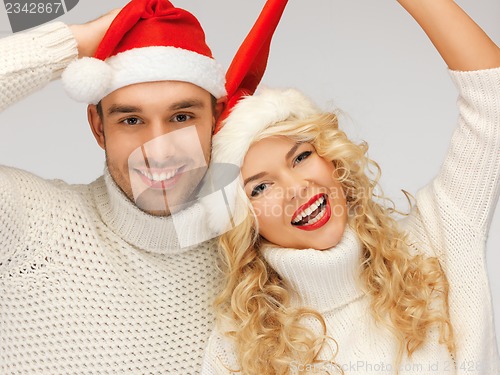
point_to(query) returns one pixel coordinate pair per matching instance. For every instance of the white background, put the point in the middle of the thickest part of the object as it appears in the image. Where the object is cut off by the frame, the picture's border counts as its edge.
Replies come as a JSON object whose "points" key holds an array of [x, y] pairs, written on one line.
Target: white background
{"points": [[367, 57]]}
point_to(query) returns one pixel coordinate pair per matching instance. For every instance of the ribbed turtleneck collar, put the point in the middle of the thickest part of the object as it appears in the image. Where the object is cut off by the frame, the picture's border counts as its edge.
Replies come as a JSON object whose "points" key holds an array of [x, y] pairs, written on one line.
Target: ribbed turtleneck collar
{"points": [[164, 235], [323, 279]]}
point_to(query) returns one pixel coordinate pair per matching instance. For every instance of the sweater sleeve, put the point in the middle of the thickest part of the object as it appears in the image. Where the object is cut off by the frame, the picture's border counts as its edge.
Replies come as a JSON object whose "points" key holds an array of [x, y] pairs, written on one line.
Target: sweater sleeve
{"points": [[13, 216], [29, 209], [469, 176], [220, 356], [453, 215], [30, 60]]}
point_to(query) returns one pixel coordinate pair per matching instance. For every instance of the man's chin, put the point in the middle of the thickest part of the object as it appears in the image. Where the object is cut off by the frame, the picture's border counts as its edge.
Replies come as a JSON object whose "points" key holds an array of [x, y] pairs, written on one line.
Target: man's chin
{"points": [[157, 204], [160, 213]]}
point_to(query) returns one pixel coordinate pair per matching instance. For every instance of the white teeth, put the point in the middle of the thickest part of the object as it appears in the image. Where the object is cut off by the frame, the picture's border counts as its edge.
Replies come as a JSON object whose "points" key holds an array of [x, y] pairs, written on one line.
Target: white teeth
{"points": [[157, 177], [317, 218], [309, 210], [315, 205]]}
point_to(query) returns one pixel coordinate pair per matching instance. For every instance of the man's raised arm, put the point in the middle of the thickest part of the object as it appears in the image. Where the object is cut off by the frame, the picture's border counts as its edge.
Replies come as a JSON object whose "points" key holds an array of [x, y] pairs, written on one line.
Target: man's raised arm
{"points": [[30, 60]]}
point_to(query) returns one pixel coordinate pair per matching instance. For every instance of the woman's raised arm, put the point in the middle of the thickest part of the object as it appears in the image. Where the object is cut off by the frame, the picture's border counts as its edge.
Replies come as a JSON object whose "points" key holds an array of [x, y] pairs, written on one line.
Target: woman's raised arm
{"points": [[458, 39]]}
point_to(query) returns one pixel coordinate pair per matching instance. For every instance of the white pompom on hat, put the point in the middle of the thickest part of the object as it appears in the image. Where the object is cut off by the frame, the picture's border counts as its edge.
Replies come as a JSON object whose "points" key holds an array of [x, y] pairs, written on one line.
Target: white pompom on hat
{"points": [[149, 40]]}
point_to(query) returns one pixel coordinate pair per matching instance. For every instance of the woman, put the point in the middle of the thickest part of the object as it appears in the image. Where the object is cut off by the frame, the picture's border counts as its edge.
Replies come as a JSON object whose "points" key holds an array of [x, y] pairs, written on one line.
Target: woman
{"points": [[320, 277]]}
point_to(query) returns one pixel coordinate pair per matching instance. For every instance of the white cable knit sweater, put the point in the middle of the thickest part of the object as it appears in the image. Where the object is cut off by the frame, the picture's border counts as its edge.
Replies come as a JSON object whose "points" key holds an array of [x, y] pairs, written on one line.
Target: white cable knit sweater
{"points": [[89, 284], [450, 220]]}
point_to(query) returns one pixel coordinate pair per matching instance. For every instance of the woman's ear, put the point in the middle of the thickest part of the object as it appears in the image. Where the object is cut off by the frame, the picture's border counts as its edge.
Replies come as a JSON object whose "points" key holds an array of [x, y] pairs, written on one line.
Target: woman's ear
{"points": [[96, 125]]}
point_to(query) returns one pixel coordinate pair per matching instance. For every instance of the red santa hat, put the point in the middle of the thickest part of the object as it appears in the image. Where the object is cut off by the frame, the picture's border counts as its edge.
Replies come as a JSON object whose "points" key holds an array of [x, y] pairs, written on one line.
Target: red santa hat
{"points": [[246, 115], [250, 62], [149, 40]]}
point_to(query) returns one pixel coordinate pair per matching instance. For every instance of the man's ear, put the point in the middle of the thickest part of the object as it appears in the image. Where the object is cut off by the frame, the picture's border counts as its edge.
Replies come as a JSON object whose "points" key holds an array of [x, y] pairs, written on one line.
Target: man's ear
{"points": [[220, 106], [96, 125]]}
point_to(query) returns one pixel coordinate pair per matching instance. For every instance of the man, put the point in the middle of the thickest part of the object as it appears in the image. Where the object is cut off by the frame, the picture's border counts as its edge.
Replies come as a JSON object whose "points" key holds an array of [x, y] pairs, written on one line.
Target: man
{"points": [[119, 276], [92, 280]]}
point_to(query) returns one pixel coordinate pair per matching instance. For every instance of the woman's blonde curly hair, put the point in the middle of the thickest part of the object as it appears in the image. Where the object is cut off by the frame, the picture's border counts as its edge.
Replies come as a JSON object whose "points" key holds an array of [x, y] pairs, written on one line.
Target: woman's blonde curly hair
{"points": [[268, 332]]}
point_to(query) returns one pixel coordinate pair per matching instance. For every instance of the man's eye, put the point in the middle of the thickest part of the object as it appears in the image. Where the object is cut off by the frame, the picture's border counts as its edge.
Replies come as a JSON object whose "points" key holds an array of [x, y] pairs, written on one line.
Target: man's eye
{"points": [[181, 118], [258, 189], [132, 121], [303, 156]]}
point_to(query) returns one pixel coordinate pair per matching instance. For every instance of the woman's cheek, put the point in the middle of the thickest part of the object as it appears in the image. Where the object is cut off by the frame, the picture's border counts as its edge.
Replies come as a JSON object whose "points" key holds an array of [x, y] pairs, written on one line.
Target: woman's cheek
{"points": [[263, 210]]}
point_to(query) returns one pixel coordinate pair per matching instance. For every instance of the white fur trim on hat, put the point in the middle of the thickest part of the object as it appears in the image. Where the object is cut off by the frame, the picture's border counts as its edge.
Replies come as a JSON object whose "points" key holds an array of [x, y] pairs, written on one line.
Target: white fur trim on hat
{"points": [[251, 115], [89, 80]]}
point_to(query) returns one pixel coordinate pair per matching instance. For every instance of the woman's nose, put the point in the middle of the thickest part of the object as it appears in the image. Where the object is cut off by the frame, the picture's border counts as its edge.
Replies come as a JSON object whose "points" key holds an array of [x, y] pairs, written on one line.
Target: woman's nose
{"points": [[296, 186]]}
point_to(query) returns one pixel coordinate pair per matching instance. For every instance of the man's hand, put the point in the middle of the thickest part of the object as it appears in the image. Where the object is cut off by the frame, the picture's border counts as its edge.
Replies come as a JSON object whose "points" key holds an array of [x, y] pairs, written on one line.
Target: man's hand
{"points": [[89, 35]]}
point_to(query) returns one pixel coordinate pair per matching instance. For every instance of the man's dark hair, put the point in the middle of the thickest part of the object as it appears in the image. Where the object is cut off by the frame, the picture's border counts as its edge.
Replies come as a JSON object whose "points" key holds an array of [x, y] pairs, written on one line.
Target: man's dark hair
{"points": [[99, 110]]}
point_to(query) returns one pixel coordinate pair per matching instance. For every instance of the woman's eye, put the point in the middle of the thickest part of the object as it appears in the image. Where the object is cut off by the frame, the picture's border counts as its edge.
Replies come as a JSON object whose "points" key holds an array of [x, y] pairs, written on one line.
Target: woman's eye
{"points": [[132, 121], [302, 156], [181, 118], [258, 189]]}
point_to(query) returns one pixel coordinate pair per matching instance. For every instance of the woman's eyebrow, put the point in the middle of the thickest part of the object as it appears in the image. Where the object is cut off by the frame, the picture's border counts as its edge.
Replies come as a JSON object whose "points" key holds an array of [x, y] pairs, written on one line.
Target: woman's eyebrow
{"points": [[254, 177], [290, 153]]}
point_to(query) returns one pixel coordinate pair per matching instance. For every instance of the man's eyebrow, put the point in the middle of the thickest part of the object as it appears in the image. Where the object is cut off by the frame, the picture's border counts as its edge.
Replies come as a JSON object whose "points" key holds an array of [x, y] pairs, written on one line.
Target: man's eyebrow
{"points": [[253, 178], [184, 104], [118, 108]]}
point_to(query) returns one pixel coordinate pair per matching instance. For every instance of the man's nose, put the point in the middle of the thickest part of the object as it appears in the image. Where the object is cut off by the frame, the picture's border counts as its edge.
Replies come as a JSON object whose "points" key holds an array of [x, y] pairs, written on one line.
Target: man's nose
{"points": [[160, 142]]}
